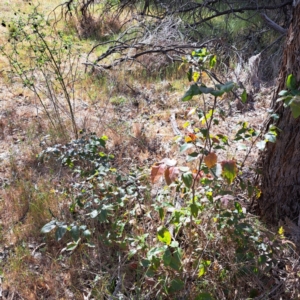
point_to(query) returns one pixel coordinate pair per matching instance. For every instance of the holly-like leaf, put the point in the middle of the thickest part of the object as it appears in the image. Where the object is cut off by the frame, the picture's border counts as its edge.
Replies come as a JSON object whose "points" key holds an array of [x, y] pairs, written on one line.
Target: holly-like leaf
{"points": [[187, 178], [157, 171], [164, 236], [229, 170], [211, 159], [171, 174]]}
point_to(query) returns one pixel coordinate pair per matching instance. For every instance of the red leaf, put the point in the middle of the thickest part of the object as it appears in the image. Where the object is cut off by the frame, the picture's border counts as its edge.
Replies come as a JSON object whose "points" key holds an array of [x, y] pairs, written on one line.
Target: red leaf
{"points": [[157, 171], [171, 174]]}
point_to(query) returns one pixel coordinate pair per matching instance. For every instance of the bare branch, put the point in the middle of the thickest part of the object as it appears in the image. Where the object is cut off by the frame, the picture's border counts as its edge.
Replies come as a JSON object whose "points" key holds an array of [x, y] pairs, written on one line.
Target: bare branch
{"points": [[273, 25]]}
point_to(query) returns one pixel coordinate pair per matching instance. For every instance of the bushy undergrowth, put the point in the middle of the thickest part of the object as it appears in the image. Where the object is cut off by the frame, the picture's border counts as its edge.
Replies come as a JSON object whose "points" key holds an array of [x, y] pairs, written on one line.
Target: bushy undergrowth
{"points": [[179, 231], [190, 238]]}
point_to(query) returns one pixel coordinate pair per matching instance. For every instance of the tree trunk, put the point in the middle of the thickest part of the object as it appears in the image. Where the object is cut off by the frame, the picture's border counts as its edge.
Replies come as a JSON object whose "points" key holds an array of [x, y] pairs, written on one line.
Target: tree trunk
{"points": [[281, 161]]}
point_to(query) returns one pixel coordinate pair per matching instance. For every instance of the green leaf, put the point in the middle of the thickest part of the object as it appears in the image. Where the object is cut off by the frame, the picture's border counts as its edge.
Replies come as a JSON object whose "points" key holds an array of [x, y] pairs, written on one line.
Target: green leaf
{"points": [[204, 296], [164, 236], [190, 74], [187, 178], [167, 257], [283, 93], [271, 136], [175, 262], [193, 91], [49, 226], [227, 87], [206, 90], [192, 156], [244, 96], [75, 233], [291, 82], [202, 270], [60, 232], [194, 210], [161, 212], [217, 93], [87, 233], [186, 146], [212, 61], [94, 213], [286, 99], [229, 170], [176, 285], [71, 246], [238, 207], [295, 107], [261, 145]]}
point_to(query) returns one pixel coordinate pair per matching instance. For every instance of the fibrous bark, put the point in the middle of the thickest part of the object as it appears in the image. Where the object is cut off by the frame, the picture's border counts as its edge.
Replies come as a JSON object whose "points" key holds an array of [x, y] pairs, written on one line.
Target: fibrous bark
{"points": [[281, 160]]}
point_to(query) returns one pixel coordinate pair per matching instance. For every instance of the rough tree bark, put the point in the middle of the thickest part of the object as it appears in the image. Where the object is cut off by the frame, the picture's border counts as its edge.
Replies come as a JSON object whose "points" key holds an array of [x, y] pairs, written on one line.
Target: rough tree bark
{"points": [[281, 161]]}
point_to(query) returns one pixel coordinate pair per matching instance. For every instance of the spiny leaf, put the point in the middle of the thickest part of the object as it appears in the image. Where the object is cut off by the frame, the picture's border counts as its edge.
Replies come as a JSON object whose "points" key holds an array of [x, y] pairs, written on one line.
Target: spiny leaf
{"points": [[211, 159], [229, 170]]}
